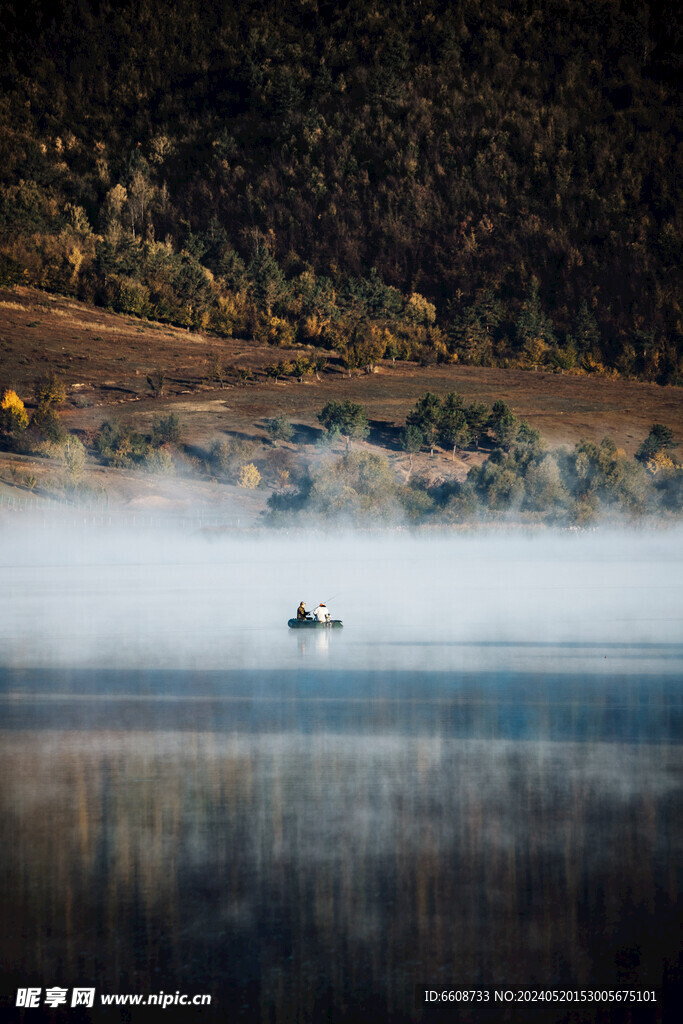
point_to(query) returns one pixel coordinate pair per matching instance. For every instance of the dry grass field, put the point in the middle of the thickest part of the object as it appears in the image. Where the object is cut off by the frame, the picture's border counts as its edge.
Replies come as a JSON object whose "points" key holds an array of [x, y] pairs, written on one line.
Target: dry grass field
{"points": [[104, 359]]}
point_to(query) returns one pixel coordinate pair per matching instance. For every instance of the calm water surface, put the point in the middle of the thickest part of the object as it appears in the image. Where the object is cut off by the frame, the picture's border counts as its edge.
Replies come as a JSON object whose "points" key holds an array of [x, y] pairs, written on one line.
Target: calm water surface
{"points": [[312, 837]]}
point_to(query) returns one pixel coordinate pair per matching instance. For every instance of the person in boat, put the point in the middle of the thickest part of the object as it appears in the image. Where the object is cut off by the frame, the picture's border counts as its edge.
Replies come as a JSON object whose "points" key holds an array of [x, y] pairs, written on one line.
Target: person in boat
{"points": [[321, 614], [301, 612]]}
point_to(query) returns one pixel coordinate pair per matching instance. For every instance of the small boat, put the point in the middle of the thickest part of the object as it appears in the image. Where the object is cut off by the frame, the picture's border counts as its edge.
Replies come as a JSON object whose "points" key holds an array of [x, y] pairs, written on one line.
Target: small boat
{"points": [[314, 624]]}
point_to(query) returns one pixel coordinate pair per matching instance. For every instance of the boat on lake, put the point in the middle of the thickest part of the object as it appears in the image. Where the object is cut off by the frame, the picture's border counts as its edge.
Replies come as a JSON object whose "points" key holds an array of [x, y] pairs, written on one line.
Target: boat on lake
{"points": [[314, 624]]}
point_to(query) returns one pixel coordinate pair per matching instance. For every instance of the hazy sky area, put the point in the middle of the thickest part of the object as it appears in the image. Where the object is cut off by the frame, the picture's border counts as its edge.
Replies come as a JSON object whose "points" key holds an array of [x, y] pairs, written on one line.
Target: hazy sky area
{"points": [[78, 596]]}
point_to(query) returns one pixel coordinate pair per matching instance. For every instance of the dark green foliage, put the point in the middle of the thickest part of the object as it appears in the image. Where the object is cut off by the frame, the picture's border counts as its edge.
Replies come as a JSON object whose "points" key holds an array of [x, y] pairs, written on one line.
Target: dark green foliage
{"points": [[504, 425], [327, 162], [454, 428], [49, 391], [525, 484], [46, 424], [451, 424], [165, 430], [372, 297], [585, 332], [360, 484], [473, 331], [660, 439], [279, 428], [266, 279], [600, 476], [533, 330], [416, 503], [347, 418], [426, 416], [412, 439], [669, 490], [528, 444], [121, 445], [477, 415], [498, 483]]}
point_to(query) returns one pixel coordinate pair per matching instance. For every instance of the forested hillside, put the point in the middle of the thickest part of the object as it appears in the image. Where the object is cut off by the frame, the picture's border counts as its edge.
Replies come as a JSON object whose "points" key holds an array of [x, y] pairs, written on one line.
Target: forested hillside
{"points": [[475, 179]]}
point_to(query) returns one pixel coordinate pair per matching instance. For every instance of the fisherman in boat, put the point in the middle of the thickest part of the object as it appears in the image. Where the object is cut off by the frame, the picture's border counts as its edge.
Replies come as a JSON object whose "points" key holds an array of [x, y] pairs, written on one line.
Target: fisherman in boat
{"points": [[319, 617], [321, 614]]}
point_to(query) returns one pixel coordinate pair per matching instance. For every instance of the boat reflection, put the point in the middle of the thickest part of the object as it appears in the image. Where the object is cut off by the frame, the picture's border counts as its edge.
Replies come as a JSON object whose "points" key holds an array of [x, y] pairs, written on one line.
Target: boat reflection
{"points": [[313, 641]]}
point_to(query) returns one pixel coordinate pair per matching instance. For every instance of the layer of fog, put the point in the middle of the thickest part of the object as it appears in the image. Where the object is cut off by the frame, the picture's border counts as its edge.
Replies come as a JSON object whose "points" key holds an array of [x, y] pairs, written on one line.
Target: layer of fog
{"points": [[84, 596]]}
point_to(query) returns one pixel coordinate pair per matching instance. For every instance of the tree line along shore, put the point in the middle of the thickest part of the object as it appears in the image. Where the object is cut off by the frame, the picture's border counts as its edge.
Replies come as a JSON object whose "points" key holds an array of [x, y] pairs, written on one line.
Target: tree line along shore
{"points": [[516, 475]]}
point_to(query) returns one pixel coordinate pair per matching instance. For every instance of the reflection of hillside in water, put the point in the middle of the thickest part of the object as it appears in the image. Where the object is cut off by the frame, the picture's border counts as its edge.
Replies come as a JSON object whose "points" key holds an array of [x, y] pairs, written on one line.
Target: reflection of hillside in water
{"points": [[298, 873]]}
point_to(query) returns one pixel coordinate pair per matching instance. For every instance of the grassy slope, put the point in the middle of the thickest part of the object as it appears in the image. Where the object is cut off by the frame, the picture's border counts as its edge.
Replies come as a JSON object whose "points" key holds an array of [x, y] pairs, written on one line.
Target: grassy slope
{"points": [[104, 360]]}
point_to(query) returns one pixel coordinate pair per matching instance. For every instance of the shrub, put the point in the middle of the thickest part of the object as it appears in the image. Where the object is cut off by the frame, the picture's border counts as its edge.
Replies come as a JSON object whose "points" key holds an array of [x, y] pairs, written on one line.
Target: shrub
{"points": [[416, 502], [280, 332], [303, 367], [244, 374], [13, 415], [660, 439], [165, 430], [132, 297], [249, 477], [217, 371], [159, 460], [279, 429], [229, 457], [47, 425], [73, 458], [310, 329], [419, 310], [660, 461], [328, 439], [50, 391], [120, 445], [545, 491], [220, 455], [498, 482], [156, 382]]}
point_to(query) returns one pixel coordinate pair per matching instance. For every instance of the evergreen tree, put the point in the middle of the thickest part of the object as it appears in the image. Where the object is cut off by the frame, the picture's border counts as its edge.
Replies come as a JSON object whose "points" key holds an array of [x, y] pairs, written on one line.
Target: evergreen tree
{"points": [[426, 416], [266, 278], [346, 418], [534, 331], [585, 331], [504, 425], [454, 428], [660, 439]]}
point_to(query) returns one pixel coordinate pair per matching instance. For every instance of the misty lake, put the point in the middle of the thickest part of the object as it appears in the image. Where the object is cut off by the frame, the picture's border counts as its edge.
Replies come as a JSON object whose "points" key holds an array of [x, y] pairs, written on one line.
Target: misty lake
{"points": [[475, 785]]}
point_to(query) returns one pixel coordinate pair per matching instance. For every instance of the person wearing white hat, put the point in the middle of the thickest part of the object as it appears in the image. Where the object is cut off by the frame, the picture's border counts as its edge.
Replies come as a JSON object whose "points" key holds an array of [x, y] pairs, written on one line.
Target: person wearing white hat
{"points": [[321, 614]]}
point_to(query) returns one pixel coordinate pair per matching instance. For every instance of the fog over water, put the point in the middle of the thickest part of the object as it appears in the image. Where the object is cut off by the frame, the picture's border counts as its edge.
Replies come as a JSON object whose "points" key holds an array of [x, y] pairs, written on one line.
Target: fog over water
{"points": [[476, 783], [79, 596]]}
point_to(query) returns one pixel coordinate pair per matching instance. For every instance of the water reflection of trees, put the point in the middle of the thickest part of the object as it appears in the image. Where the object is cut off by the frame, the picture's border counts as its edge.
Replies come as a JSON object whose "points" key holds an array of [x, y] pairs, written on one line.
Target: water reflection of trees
{"points": [[298, 868]]}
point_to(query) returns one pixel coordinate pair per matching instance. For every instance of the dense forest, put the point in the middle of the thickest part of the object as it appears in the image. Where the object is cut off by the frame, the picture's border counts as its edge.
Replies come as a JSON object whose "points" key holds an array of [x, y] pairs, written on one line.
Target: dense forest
{"points": [[473, 180]]}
